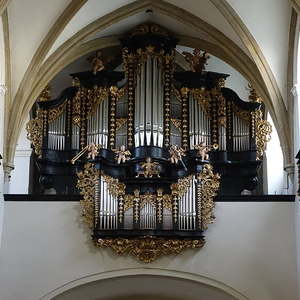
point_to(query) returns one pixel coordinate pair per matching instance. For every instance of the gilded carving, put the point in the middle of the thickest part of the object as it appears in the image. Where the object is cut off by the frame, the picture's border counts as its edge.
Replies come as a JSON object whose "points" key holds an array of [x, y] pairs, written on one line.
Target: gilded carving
{"points": [[203, 97], [120, 122], [149, 248], [180, 188], [208, 186], [35, 132], [45, 95], [254, 97], [263, 133], [197, 60], [114, 187], [91, 97], [221, 111], [176, 123], [149, 169], [243, 114], [166, 200], [54, 113], [86, 183]]}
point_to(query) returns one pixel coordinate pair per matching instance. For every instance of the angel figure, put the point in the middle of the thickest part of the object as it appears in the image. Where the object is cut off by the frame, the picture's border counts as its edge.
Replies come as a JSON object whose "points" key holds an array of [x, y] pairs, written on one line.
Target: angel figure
{"points": [[202, 151], [98, 62], [149, 169], [122, 155], [92, 150], [197, 60], [176, 154]]}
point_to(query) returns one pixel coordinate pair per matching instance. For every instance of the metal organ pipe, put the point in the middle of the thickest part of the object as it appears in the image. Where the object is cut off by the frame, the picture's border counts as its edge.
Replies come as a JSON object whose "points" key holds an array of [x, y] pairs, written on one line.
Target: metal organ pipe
{"points": [[121, 134], [149, 104], [199, 124], [187, 207], [57, 132], [108, 207], [222, 137], [240, 134], [148, 216], [97, 125]]}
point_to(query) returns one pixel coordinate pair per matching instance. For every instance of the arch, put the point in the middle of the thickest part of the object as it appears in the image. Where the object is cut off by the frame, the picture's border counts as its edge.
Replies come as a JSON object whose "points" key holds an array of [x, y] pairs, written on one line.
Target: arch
{"points": [[3, 6], [33, 69], [57, 61], [276, 106], [156, 272]]}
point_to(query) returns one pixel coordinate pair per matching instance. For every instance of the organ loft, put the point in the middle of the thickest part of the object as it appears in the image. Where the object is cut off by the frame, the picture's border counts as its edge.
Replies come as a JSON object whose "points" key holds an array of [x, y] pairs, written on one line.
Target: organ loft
{"points": [[147, 144]]}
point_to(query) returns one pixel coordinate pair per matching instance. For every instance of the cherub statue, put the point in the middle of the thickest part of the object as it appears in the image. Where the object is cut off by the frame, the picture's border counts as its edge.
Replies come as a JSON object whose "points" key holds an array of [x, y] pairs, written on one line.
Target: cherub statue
{"points": [[176, 154], [202, 151], [97, 62], [197, 60], [149, 169], [122, 155], [92, 150]]}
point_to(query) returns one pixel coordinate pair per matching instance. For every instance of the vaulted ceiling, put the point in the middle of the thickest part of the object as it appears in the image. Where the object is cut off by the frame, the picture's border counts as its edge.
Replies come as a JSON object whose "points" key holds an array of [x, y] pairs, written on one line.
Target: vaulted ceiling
{"points": [[42, 37]]}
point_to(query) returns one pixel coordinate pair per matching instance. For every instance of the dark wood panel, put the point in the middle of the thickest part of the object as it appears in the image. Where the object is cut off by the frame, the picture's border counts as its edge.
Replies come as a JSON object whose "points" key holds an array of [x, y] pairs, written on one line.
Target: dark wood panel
{"points": [[67, 198]]}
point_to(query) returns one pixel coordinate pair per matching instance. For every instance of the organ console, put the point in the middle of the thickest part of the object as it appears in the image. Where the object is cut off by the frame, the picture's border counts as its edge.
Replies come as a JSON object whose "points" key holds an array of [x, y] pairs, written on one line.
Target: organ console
{"points": [[149, 111]]}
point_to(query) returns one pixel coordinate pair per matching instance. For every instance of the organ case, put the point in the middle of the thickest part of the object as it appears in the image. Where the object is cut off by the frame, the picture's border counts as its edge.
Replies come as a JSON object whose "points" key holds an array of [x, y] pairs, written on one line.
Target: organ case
{"points": [[141, 139]]}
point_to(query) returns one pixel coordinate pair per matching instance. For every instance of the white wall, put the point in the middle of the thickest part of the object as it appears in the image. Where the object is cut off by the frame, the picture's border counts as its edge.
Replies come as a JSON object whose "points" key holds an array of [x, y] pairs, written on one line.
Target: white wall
{"points": [[251, 248], [277, 181], [28, 26], [268, 21], [20, 175], [235, 81]]}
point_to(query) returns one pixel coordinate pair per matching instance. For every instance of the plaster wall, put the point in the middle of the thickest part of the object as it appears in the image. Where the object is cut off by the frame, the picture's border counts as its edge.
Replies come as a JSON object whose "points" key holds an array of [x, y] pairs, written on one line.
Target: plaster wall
{"points": [[268, 21], [93, 9], [277, 181], [90, 11], [251, 248], [29, 22], [235, 81], [20, 175]]}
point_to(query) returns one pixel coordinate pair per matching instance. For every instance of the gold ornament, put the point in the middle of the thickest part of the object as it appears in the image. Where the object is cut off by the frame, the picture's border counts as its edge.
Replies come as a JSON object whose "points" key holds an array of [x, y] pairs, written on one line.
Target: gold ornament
{"points": [[197, 60], [149, 169], [149, 248], [263, 133], [35, 132], [176, 123], [208, 186], [54, 113], [87, 180], [120, 122], [45, 94]]}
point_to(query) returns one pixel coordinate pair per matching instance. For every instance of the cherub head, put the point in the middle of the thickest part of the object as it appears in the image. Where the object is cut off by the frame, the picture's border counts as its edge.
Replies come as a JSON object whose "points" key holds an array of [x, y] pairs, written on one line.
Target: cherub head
{"points": [[98, 53], [197, 52], [148, 159], [122, 148]]}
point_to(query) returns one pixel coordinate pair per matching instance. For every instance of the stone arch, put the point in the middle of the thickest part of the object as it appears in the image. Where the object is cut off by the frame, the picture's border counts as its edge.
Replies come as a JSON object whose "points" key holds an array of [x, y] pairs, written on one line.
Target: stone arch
{"points": [[226, 48], [195, 283]]}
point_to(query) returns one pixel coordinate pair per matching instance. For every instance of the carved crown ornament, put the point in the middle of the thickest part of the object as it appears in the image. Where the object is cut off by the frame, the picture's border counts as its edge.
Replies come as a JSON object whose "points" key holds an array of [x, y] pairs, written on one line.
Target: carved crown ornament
{"points": [[148, 147]]}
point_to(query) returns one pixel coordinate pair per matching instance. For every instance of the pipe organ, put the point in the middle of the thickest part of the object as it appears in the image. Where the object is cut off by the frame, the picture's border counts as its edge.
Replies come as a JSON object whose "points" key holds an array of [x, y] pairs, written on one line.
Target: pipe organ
{"points": [[151, 146]]}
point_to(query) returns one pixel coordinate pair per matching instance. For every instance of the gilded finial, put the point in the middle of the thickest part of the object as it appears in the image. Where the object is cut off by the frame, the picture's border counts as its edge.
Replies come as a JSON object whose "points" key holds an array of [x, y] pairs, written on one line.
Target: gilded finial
{"points": [[45, 94], [197, 60], [254, 97]]}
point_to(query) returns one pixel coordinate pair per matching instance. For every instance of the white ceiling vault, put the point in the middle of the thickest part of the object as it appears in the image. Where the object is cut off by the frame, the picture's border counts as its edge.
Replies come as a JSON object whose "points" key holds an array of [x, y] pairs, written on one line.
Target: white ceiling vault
{"points": [[267, 21]]}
